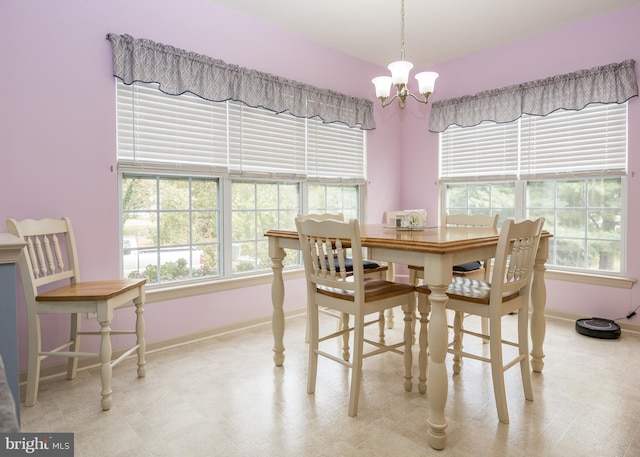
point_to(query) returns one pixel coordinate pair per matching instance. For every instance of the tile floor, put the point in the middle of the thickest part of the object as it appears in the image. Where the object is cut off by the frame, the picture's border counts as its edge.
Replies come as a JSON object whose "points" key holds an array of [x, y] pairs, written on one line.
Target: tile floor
{"points": [[224, 397]]}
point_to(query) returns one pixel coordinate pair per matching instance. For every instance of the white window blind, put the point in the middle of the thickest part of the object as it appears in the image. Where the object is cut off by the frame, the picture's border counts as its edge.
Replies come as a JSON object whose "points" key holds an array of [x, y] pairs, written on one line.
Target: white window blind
{"points": [[592, 140], [156, 130], [486, 150], [331, 151], [265, 142]]}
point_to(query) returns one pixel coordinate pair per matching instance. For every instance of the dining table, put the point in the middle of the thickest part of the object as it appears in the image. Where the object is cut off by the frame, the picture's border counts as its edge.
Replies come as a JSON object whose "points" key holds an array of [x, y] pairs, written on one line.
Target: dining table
{"points": [[437, 249]]}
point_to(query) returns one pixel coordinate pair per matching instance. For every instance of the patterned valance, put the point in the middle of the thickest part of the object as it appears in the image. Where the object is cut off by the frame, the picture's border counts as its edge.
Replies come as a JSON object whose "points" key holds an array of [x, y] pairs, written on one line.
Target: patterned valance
{"points": [[178, 71], [613, 83]]}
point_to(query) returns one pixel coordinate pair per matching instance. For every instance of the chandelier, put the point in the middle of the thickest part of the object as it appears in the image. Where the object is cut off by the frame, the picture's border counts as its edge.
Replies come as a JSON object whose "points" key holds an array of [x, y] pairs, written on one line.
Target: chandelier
{"points": [[400, 77]]}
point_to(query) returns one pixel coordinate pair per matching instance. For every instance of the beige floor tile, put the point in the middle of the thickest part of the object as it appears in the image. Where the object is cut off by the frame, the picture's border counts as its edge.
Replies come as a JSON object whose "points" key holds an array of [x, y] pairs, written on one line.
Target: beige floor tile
{"points": [[224, 397]]}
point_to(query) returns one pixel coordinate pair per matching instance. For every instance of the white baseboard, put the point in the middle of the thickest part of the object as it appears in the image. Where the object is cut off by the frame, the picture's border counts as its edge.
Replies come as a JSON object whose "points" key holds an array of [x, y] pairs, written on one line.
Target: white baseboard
{"points": [[170, 343], [624, 326]]}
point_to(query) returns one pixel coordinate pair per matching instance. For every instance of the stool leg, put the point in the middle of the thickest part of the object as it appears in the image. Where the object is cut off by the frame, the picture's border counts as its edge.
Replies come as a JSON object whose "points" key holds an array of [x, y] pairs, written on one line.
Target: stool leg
{"points": [[33, 368], [424, 308], [356, 366], [344, 326], [457, 341], [72, 362], [105, 364], [140, 341], [390, 276], [409, 312]]}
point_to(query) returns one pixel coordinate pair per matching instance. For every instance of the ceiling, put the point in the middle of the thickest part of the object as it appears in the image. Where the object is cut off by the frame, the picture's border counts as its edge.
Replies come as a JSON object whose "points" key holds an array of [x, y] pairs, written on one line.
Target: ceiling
{"points": [[435, 30]]}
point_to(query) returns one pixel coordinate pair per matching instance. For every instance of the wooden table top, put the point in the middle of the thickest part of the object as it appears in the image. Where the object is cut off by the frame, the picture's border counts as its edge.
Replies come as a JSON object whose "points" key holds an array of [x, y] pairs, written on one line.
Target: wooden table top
{"points": [[441, 239]]}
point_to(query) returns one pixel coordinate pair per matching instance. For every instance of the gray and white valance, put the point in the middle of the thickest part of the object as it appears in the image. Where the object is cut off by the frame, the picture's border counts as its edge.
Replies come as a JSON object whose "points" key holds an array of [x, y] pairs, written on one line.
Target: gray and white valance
{"points": [[178, 71], [613, 83]]}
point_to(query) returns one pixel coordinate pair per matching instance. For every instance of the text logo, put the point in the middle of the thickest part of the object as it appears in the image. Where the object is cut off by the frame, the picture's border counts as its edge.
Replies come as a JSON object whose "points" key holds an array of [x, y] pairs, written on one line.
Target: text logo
{"points": [[36, 444]]}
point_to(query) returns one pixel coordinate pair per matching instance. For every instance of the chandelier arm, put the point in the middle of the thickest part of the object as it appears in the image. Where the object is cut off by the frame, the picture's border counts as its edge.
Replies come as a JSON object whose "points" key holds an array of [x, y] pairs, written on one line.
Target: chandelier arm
{"points": [[425, 98], [388, 101]]}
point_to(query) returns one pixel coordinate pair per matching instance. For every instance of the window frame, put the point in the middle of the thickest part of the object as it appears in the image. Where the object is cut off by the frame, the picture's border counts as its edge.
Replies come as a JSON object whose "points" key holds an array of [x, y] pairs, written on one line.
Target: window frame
{"points": [[132, 173], [521, 179], [226, 279], [522, 210]]}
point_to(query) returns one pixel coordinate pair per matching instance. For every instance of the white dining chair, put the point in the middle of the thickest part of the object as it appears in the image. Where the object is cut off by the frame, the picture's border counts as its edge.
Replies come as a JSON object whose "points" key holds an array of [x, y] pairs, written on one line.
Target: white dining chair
{"points": [[371, 269], [330, 287], [478, 269], [50, 276], [418, 218], [506, 293]]}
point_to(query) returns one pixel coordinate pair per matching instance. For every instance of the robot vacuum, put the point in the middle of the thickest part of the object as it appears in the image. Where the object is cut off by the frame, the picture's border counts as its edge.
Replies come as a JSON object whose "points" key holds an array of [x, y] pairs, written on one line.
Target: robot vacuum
{"points": [[598, 327]]}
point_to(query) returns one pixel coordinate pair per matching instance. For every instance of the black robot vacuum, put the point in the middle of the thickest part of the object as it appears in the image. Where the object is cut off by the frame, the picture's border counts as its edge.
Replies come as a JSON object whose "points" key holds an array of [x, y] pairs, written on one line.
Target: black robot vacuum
{"points": [[598, 327]]}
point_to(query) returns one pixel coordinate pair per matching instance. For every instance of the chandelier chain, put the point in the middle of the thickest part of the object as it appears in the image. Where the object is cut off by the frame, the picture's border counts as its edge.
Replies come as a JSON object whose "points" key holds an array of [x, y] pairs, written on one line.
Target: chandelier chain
{"points": [[402, 30], [400, 77]]}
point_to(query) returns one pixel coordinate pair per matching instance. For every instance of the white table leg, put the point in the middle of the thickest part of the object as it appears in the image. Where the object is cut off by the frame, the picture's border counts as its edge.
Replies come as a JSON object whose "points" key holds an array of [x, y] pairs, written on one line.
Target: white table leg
{"points": [[277, 255], [437, 383], [538, 303]]}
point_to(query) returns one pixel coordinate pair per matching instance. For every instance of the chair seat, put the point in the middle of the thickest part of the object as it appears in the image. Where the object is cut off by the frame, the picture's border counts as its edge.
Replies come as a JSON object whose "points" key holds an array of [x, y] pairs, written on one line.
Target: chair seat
{"points": [[367, 265], [470, 290], [469, 266], [374, 289], [462, 268], [91, 290]]}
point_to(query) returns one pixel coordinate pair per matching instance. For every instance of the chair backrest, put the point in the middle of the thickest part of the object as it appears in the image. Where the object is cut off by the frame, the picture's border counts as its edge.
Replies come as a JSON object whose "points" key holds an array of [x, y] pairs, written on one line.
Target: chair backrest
{"points": [[390, 216], [472, 220], [323, 217], [330, 237], [49, 256], [515, 258]]}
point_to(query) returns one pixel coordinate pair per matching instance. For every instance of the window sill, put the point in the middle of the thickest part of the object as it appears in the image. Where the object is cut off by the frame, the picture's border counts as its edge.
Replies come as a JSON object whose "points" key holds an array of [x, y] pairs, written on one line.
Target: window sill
{"points": [[172, 292], [597, 280]]}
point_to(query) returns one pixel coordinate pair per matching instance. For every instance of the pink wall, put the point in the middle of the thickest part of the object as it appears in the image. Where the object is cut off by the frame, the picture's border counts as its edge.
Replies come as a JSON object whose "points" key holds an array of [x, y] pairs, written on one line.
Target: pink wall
{"points": [[57, 118], [58, 144], [607, 39]]}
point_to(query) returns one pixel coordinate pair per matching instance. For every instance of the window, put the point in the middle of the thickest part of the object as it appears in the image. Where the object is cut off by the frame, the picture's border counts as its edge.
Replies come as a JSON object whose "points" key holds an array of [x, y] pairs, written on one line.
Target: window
{"points": [[568, 167], [258, 206], [585, 217], [201, 181], [169, 228], [482, 198], [335, 199]]}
